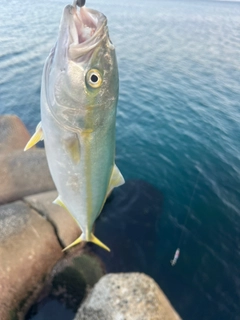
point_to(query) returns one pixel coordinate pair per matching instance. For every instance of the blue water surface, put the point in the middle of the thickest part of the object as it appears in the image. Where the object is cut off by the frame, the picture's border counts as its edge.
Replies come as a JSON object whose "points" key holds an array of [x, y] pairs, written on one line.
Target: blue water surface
{"points": [[178, 127]]}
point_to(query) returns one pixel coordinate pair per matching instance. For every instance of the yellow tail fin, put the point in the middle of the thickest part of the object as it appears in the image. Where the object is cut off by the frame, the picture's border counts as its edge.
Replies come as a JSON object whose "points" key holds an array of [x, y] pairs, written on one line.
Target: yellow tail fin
{"points": [[92, 239], [74, 243], [98, 242]]}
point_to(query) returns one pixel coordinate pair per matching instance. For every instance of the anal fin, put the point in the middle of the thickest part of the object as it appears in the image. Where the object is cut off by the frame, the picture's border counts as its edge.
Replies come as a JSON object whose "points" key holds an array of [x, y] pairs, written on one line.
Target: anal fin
{"points": [[60, 203], [38, 135]]}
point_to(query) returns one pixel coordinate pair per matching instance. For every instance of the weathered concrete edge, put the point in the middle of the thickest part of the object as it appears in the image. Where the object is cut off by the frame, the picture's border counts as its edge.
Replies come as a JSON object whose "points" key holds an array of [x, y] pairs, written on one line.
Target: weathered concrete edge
{"points": [[48, 219], [19, 310]]}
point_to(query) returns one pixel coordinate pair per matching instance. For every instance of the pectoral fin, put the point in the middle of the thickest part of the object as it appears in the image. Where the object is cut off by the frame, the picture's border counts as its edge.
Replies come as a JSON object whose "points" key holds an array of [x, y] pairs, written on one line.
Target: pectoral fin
{"points": [[72, 147], [116, 180], [38, 135]]}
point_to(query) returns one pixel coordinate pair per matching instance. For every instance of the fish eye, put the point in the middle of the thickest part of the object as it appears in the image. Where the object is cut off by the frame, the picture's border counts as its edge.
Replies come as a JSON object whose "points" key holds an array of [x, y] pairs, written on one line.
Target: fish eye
{"points": [[94, 78]]}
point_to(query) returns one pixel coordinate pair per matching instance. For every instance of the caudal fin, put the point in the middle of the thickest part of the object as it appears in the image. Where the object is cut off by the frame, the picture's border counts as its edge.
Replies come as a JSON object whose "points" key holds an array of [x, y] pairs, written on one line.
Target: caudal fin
{"points": [[98, 242], [92, 239]]}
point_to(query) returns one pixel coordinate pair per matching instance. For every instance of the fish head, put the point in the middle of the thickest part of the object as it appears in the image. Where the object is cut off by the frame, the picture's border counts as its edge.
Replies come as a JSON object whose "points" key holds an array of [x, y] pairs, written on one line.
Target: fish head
{"points": [[81, 72]]}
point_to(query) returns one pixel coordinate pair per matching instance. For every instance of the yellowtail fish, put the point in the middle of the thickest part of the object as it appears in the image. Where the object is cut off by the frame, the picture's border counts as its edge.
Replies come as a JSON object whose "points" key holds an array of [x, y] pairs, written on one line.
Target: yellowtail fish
{"points": [[79, 96]]}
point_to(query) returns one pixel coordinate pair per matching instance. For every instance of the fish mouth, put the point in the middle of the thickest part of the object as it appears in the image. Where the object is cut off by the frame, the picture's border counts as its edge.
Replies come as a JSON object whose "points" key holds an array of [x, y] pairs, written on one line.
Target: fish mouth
{"points": [[87, 28], [85, 24]]}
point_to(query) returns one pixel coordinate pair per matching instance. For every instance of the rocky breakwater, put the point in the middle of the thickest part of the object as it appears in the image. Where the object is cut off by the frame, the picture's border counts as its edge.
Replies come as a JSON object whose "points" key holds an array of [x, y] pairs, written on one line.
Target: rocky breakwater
{"points": [[33, 232], [126, 296]]}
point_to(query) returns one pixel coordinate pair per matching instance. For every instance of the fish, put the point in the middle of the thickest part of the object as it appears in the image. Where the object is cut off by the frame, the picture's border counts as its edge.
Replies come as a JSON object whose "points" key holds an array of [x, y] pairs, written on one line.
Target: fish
{"points": [[79, 95], [175, 258]]}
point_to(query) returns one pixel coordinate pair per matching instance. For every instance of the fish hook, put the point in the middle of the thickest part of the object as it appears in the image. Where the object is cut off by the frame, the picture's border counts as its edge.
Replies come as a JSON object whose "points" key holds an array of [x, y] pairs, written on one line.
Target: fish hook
{"points": [[79, 3]]}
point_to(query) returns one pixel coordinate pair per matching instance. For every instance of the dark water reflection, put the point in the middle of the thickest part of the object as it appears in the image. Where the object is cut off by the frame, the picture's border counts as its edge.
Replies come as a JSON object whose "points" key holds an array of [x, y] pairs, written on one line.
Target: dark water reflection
{"points": [[50, 309], [128, 225]]}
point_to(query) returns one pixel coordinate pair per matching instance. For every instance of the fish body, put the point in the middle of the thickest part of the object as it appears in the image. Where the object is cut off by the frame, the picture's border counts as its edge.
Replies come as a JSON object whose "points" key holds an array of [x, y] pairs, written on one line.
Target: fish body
{"points": [[79, 96]]}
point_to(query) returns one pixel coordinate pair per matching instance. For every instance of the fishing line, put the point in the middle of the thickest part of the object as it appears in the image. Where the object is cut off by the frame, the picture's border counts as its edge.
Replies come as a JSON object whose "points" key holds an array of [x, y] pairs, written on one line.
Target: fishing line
{"points": [[177, 252], [79, 3], [189, 210]]}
